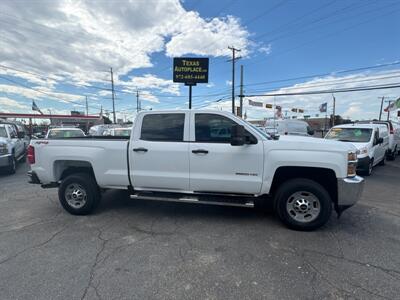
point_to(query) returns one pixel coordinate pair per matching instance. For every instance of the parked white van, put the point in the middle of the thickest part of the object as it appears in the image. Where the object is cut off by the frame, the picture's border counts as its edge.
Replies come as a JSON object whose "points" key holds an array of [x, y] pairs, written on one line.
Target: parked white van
{"points": [[371, 141], [290, 127], [394, 137]]}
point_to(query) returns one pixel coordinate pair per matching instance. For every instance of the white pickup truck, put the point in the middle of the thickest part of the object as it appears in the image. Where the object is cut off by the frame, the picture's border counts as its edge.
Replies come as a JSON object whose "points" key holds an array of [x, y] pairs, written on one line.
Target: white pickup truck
{"points": [[209, 157]]}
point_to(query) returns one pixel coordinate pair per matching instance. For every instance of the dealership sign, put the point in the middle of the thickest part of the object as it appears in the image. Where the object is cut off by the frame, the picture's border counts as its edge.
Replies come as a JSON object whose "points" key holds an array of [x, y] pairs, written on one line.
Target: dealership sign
{"points": [[190, 70]]}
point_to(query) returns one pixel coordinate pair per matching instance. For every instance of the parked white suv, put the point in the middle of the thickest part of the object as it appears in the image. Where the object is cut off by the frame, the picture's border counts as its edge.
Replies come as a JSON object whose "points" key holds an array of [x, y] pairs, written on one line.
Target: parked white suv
{"points": [[371, 141], [12, 147]]}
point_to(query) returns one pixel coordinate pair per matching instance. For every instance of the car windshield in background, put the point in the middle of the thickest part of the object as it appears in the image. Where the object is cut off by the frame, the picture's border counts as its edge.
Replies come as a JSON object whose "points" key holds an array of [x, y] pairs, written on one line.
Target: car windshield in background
{"points": [[3, 132], [357, 135], [122, 132], [55, 134]]}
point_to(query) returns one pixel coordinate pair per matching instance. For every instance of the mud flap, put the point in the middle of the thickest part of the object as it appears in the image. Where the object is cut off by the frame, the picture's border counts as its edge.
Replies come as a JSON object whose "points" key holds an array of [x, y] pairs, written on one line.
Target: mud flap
{"points": [[340, 209]]}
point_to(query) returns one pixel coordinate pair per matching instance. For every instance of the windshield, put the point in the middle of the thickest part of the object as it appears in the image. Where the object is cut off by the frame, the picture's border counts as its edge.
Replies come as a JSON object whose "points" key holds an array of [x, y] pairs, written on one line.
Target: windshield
{"points": [[3, 132], [55, 133], [122, 132], [357, 135], [260, 130]]}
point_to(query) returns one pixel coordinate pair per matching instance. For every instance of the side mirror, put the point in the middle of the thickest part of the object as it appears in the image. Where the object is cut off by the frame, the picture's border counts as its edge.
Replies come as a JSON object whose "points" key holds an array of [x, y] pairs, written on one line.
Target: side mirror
{"points": [[275, 136], [237, 135], [379, 141], [21, 134], [310, 131]]}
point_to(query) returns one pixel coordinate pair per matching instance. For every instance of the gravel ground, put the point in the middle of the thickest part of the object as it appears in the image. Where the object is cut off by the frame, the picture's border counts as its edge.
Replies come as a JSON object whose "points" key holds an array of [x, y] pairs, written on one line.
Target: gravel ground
{"points": [[132, 249]]}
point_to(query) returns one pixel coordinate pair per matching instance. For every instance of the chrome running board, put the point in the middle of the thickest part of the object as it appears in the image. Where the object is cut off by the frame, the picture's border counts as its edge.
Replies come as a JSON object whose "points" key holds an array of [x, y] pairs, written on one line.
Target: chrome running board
{"points": [[192, 199]]}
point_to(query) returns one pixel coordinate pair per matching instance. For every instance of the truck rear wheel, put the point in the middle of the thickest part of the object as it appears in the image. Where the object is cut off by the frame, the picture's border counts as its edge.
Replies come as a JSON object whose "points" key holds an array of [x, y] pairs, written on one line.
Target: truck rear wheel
{"points": [[79, 194], [303, 204]]}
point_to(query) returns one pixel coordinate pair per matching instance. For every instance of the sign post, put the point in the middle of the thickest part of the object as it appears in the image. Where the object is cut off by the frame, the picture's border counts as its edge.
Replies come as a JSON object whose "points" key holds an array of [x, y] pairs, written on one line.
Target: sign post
{"points": [[190, 71]]}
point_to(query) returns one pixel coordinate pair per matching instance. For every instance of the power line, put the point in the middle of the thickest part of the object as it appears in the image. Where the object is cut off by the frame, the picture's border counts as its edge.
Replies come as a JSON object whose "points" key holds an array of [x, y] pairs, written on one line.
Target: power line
{"points": [[344, 90], [333, 82], [39, 91], [325, 36], [326, 74]]}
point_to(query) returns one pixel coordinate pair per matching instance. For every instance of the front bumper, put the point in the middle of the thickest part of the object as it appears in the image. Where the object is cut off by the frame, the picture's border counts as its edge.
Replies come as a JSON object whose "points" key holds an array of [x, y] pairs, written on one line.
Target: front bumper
{"points": [[5, 160], [350, 190]]}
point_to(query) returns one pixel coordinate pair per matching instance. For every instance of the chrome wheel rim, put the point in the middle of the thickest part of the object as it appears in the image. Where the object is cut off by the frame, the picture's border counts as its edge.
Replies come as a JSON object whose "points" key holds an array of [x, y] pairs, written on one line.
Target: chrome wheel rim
{"points": [[303, 206], [75, 195]]}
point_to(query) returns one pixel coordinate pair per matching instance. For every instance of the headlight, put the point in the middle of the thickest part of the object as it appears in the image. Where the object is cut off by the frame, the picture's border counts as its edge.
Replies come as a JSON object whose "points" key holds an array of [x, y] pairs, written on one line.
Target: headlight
{"points": [[362, 151], [3, 149], [352, 164], [352, 156]]}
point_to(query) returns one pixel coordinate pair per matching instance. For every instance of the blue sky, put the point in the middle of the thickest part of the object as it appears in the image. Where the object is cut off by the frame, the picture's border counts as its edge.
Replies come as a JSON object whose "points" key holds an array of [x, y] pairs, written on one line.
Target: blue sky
{"points": [[49, 51]]}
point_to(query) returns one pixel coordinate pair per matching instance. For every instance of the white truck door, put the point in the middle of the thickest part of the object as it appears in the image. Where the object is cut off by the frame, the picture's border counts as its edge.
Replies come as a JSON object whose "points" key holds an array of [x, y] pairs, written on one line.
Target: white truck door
{"points": [[159, 152], [18, 145], [216, 165]]}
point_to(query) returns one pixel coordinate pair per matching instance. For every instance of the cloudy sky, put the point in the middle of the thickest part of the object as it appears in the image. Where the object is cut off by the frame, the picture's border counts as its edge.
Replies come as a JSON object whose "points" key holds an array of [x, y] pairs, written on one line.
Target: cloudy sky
{"points": [[59, 52]]}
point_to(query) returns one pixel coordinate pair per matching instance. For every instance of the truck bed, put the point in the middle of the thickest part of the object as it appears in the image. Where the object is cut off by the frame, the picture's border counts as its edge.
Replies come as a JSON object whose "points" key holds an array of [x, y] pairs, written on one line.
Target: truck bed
{"points": [[107, 155]]}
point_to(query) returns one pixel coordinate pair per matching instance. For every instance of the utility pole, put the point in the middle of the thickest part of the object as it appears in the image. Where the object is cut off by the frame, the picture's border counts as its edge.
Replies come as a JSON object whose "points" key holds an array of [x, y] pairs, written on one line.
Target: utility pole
{"points": [[137, 101], [334, 108], [87, 107], [241, 91], [112, 95], [380, 112], [388, 115], [234, 58]]}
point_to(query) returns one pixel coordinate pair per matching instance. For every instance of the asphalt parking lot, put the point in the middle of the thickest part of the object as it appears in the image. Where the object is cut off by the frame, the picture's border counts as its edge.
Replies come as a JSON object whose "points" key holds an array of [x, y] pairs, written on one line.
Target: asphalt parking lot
{"points": [[132, 249]]}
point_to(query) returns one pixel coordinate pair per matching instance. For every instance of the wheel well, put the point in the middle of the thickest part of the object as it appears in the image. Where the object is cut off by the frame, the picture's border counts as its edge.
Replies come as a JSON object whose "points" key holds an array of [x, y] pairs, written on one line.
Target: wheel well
{"points": [[64, 168], [325, 177]]}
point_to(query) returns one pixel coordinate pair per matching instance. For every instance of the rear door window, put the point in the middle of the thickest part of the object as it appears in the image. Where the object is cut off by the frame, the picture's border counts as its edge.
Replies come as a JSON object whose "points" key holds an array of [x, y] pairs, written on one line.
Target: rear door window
{"points": [[163, 127]]}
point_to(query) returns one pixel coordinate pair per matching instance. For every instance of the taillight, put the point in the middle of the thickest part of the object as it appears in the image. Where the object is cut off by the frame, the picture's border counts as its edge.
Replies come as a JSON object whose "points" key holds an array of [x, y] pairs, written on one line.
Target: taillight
{"points": [[31, 154]]}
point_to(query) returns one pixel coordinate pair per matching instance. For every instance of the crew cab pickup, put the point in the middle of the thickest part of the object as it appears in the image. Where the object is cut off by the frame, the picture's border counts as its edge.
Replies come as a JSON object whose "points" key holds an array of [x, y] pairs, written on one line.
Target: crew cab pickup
{"points": [[201, 156]]}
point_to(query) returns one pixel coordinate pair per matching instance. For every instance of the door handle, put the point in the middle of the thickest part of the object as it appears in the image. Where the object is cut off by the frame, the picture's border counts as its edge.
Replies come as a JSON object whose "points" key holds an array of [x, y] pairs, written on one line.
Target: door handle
{"points": [[200, 151], [140, 149]]}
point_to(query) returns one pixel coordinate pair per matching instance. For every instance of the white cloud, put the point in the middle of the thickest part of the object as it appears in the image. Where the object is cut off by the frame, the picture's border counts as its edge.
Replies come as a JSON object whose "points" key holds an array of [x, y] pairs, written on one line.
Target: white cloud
{"points": [[195, 35], [265, 49], [80, 40], [149, 81], [228, 82], [36, 95], [5, 101]]}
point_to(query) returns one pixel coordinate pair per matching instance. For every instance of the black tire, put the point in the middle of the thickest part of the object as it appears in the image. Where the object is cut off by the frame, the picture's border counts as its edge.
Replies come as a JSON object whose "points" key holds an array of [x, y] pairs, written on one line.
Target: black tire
{"points": [[368, 172], [306, 186], [86, 184], [12, 165]]}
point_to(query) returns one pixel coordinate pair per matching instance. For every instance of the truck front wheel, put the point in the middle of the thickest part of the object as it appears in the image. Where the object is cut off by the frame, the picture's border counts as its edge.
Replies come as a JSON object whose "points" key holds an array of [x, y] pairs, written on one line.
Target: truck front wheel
{"points": [[303, 204], [79, 194]]}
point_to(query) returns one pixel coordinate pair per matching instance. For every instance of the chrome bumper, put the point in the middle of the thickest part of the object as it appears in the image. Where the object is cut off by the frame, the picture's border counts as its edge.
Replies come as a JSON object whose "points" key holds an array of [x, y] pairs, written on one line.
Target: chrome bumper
{"points": [[350, 190]]}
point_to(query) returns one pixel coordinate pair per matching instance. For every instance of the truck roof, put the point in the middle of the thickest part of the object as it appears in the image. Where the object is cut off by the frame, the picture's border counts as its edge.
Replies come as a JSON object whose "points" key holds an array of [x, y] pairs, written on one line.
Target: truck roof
{"points": [[357, 125]]}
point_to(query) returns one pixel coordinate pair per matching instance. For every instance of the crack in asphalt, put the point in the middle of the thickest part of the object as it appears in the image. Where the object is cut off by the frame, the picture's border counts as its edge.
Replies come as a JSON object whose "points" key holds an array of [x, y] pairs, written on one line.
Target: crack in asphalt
{"points": [[35, 246], [45, 221], [364, 264], [93, 267]]}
